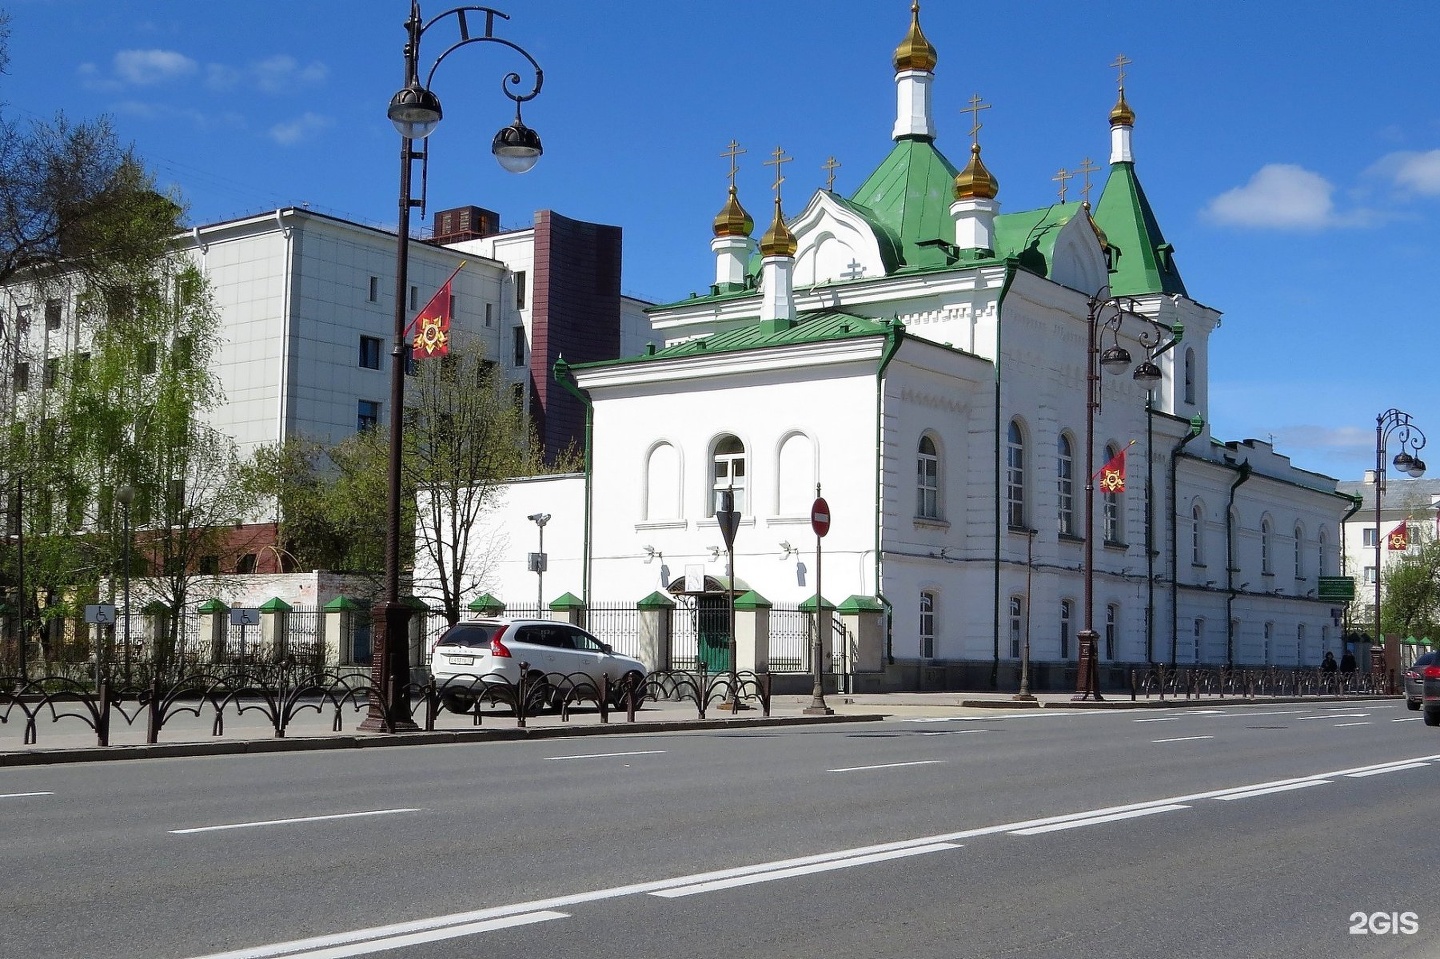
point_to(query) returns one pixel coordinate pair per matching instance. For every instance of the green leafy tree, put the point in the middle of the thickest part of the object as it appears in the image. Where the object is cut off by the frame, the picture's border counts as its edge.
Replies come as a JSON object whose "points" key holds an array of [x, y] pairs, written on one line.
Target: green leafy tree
{"points": [[1410, 600]]}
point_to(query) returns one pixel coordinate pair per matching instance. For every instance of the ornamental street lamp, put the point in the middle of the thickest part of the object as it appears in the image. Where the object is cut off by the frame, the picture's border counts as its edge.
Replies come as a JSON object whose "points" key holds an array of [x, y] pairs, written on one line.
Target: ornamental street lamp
{"points": [[415, 111], [1106, 313], [1395, 423]]}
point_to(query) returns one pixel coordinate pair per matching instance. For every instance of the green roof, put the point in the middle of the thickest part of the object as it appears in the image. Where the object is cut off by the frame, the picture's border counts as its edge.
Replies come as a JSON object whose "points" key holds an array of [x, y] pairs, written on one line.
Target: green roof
{"points": [[909, 195], [1143, 261], [1029, 236]]}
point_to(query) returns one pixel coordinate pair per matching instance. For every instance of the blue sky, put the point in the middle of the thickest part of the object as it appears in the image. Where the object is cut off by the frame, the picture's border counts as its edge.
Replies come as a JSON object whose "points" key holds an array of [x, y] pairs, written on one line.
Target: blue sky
{"points": [[1291, 151]]}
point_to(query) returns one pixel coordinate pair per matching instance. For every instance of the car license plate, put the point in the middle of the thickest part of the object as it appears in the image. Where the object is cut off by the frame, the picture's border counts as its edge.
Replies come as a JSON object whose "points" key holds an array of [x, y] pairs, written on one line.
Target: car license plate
{"points": [[462, 660]]}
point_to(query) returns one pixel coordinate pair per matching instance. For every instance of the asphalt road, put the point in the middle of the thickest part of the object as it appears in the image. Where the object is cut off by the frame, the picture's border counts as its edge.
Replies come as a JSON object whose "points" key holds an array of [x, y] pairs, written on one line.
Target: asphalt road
{"points": [[1246, 831]]}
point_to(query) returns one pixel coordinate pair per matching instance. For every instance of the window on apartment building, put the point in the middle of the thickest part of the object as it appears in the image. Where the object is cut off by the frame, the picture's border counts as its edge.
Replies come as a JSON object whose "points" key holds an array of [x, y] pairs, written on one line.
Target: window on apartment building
{"points": [[489, 314], [52, 314], [22, 377], [149, 355], [370, 352], [174, 499], [1017, 618], [184, 353], [82, 367], [927, 625], [520, 290], [1367, 536], [414, 298], [209, 566], [1112, 630], [49, 372], [374, 289], [22, 321], [368, 415], [517, 336], [517, 397], [1066, 607], [246, 563], [1370, 575]]}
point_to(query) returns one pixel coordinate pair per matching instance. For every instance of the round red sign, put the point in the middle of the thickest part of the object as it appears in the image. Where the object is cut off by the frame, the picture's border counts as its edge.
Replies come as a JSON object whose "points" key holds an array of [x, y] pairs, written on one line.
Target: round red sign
{"points": [[820, 517]]}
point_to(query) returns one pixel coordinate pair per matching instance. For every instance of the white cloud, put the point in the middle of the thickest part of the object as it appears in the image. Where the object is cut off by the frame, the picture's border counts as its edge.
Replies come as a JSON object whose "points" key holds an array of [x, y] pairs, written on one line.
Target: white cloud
{"points": [[301, 128], [1412, 171], [280, 73], [1280, 196], [149, 67]]}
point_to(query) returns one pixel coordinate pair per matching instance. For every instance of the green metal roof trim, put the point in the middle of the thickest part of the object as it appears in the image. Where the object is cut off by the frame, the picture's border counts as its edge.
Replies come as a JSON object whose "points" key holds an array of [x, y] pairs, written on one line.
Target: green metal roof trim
{"points": [[1144, 262], [213, 606], [343, 603], [909, 194], [809, 328], [566, 601], [1028, 237], [276, 605]]}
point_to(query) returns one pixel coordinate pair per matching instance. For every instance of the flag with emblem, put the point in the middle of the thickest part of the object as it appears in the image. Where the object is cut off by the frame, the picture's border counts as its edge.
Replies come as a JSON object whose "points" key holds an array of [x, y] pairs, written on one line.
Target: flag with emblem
{"points": [[1112, 474], [1399, 537], [432, 323]]}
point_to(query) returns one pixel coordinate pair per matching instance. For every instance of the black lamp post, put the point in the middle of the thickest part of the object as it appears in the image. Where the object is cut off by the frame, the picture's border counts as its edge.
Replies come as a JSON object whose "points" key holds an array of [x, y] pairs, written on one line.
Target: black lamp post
{"points": [[1106, 313], [1395, 423], [126, 496], [21, 632], [415, 111], [727, 517]]}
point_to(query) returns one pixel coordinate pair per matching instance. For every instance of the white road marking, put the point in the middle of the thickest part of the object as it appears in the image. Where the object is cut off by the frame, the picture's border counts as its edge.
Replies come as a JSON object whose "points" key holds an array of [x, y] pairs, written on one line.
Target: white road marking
{"points": [[1389, 769], [1335, 716], [1343, 725], [638, 752], [734, 881], [856, 769], [1407, 719], [1181, 739], [23, 795], [288, 822], [364, 941], [1162, 719], [1287, 787], [1097, 820]]}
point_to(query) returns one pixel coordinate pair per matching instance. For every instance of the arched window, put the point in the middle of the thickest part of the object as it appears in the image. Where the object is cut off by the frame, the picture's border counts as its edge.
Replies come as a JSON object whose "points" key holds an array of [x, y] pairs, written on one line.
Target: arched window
{"points": [[1265, 544], [1299, 551], [795, 476], [1197, 534], [1015, 477], [662, 483], [927, 480], [1065, 609], [1112, 629], [927, 624], [1322, 560], [1190, 375], [1017, 616], [729, 471], [1114, 529], [1065, 470]]}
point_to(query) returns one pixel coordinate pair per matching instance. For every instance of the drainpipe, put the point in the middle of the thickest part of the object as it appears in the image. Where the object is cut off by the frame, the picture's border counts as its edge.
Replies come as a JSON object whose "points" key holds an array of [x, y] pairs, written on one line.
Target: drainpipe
{"points": [[1356, 502], [999, 484], [566, 380], [1244, 474], [1197, 425], [894, 336]]}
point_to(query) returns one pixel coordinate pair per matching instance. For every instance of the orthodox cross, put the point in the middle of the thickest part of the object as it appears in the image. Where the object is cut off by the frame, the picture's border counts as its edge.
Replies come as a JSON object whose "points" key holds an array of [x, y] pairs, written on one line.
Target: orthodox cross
{"points": [[1061, 178], [855, 270], [1121, 62], [830, 166], [732, 152], [974, 110], [780, 158], [1087, 167]]}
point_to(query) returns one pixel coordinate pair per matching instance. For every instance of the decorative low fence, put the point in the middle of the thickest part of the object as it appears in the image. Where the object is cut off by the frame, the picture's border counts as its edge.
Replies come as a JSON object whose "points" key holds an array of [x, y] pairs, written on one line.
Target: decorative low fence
{"points": [[1194, 682], [279, 693]]}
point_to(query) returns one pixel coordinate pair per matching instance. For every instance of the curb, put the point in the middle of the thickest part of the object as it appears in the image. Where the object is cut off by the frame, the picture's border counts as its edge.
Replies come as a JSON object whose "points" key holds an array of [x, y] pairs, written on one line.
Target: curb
{"points": [[86, 754], [1213, 702]]}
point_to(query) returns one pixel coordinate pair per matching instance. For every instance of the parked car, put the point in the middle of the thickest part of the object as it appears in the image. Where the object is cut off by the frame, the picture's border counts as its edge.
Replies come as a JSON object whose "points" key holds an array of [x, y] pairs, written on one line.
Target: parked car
{"points": [[1415, 679], [1431, 697], [477, 654]]}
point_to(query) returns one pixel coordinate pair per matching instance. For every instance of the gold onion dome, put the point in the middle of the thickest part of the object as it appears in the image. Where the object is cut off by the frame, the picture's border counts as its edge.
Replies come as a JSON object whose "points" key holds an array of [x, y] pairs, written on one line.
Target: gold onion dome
{"points": [[1121, 114], [975, 182], [1099, 233], [915, 52], [733, 220], [778, 240]]}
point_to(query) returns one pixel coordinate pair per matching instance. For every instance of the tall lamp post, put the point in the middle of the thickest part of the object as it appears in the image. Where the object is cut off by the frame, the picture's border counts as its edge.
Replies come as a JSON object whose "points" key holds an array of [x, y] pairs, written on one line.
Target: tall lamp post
{"points": [[415, 111], [1395, 423], [1105, 314], [21, 633], [538, 563], [126, 496]]}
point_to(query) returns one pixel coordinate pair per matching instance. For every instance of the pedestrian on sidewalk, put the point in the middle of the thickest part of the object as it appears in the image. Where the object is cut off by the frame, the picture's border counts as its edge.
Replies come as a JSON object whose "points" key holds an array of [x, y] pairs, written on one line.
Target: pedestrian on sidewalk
{"points": [[1328, 666]]}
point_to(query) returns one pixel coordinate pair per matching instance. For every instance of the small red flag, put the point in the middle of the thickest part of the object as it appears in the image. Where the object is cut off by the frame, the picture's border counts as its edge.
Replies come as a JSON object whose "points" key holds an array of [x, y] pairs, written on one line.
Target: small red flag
{"points": [[1112, 474], [1399, 537], [432, 326]]}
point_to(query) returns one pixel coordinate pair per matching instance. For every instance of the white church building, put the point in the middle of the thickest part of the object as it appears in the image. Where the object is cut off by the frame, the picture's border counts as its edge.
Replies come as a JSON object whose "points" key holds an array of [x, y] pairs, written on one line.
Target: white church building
{"points": [[921, 358]]}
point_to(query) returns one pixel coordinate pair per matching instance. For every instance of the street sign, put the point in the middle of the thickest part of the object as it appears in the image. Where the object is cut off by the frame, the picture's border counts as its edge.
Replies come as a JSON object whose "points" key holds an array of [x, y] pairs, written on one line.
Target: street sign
{"points": [[727, 517], [245, 616], [539, 562], [820, 516], [102, 614], [1337, 588]]}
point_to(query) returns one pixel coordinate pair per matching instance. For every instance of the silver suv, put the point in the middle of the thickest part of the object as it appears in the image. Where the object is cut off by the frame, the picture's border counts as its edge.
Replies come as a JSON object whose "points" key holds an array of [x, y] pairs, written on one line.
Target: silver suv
{"points": [[476, 654]]}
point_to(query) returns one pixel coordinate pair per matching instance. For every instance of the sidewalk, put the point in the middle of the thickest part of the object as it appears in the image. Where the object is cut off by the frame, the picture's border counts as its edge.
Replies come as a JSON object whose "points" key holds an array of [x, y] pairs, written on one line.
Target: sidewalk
{"points": [[71, 740]]}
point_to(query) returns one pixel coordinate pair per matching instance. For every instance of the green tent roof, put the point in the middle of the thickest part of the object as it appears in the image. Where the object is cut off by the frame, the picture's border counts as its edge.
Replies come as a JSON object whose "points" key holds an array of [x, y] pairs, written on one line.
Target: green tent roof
{"points": [[909, 194], [1143, 261]]}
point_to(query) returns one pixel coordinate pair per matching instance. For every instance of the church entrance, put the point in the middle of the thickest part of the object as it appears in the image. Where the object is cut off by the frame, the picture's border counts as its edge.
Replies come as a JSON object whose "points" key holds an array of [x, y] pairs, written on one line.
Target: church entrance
{"points": [[707, 601]]}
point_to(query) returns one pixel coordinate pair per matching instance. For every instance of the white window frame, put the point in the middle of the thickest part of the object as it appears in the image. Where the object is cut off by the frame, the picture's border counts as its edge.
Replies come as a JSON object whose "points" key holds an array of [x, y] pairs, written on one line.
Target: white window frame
{"points": [[928, 602], [927, 478], [1065, 477]]}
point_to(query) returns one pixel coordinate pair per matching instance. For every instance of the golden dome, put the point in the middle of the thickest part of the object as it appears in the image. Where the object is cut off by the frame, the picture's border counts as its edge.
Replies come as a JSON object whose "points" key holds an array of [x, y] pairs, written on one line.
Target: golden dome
{"points": [[778, 240], [975, 182], [1099, 233], [915, 52], [1121, 114], [733, 220]]}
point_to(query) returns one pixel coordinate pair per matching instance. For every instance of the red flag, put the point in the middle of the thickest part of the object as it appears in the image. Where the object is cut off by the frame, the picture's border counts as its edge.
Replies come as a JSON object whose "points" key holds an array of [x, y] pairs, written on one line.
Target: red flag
{"points": [[432, 324], [1399, 537], [1112, 474]]}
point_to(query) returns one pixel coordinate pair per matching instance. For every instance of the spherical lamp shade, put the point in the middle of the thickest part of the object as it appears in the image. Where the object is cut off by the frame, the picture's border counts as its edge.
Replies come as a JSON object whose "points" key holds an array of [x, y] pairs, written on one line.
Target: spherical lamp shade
{"points": [[1402, 461], [1147, 372], [517, 147], [1417, 467], [415, 111], [1115, 360]]}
